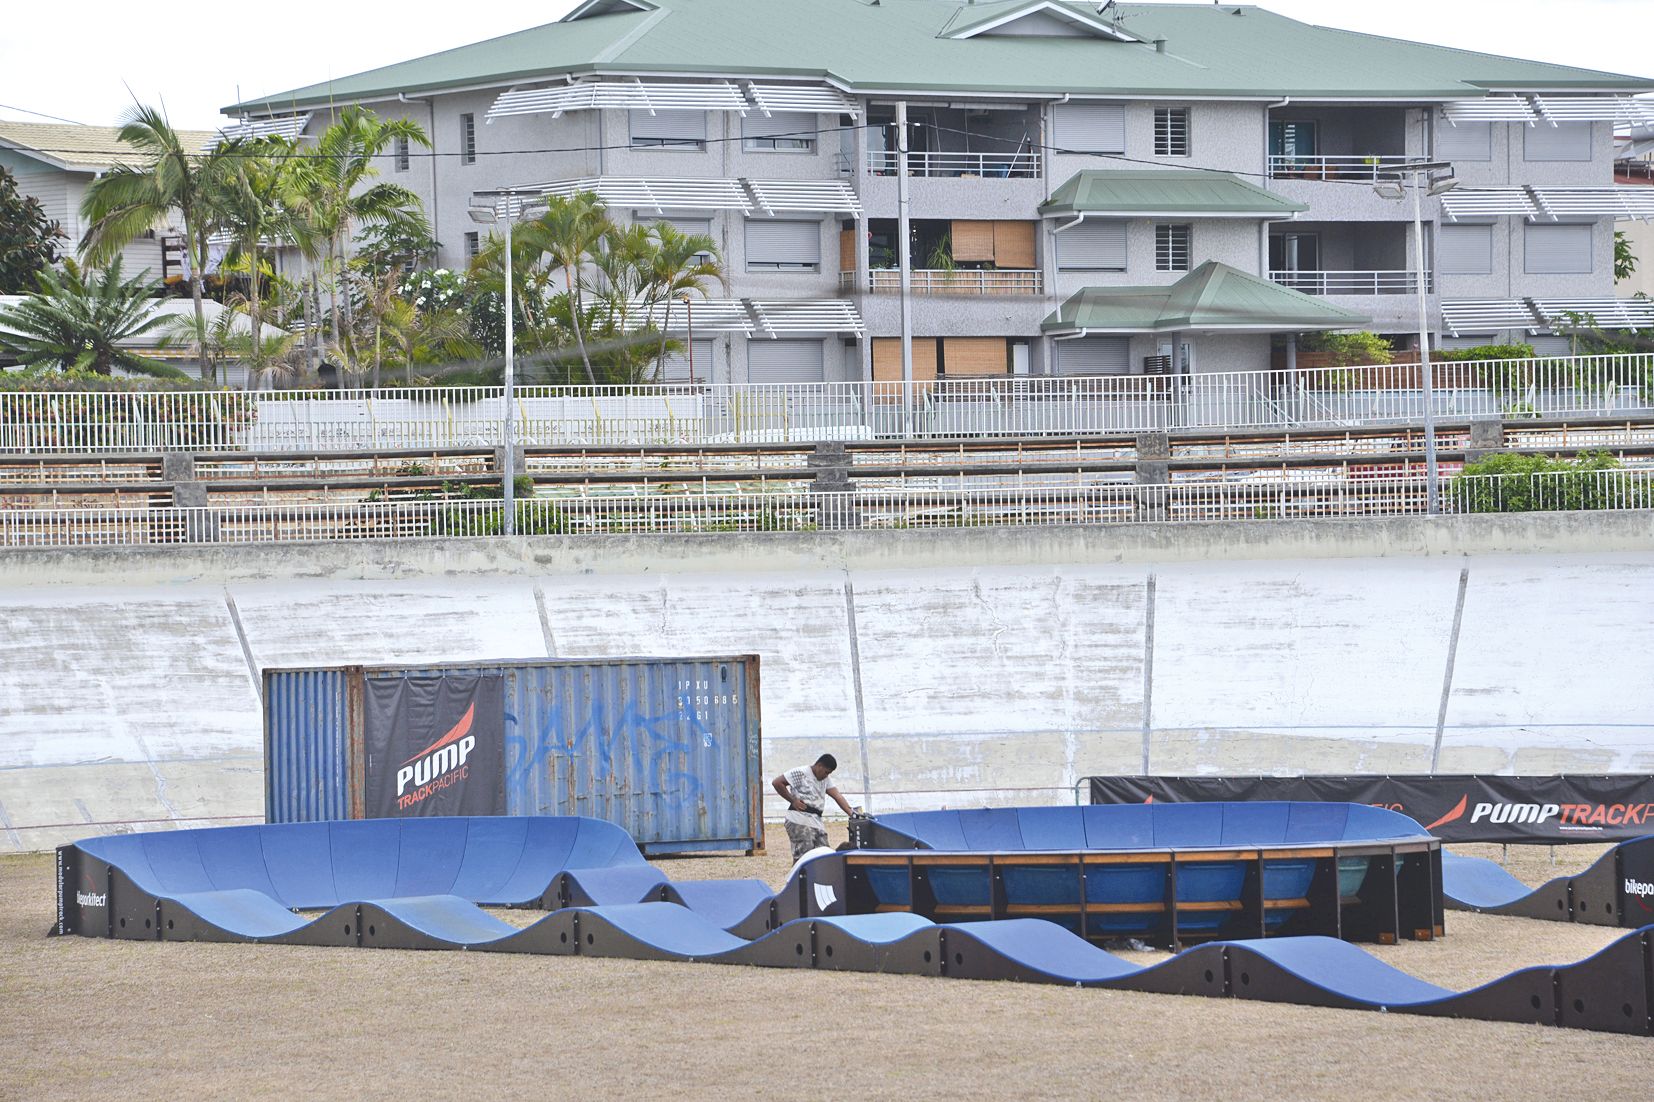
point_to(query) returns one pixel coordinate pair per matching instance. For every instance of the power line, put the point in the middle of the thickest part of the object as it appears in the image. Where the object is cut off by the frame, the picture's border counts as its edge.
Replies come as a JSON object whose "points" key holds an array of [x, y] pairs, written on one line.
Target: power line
{"points": [[44, 115]]}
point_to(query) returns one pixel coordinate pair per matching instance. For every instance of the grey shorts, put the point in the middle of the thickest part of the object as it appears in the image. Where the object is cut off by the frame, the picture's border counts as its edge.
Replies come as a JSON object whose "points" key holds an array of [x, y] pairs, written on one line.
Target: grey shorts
{"points": [[805, 838]]}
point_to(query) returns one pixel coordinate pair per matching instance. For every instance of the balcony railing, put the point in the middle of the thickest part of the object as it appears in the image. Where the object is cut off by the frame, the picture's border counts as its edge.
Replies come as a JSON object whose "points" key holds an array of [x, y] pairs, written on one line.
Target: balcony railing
{"points": [[1318, 167], [1014, 165], [960, 281], [1352, 283]]}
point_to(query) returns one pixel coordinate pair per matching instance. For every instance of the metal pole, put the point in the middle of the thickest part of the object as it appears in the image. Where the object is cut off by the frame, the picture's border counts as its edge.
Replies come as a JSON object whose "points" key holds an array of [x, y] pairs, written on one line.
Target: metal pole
{"points": [[509, 523], [904, 266], [689, 306], [1432, 492]]}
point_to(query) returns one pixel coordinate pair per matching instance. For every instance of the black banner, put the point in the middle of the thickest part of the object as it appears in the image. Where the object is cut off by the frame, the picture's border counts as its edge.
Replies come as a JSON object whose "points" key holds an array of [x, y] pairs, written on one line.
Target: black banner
{"points": [[1455, 808], [435, 746]]}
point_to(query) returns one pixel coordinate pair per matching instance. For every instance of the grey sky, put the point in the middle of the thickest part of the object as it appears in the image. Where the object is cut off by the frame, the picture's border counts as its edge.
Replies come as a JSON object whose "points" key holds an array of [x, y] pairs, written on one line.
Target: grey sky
{"points": [[78, 63]]}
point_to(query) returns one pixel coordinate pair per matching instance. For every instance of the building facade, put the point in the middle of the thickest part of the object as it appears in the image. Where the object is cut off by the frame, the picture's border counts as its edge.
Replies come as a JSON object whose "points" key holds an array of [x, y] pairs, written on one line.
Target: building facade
{"points": [[1136, 190]]}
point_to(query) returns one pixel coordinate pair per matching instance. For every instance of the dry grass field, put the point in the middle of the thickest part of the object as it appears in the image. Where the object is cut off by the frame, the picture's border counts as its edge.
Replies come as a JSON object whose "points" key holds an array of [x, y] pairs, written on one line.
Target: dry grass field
{"points": [[83, 1018]]}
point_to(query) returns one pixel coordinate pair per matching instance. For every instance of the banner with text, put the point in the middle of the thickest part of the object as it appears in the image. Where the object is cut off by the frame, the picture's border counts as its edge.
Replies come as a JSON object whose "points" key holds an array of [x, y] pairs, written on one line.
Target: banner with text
{"points": [[1455, 808], [435, 746]]}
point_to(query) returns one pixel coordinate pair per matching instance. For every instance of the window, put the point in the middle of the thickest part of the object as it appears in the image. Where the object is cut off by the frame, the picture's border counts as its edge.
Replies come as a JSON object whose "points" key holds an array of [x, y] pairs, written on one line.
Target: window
{"points": [[1089, 127], [1465, 249], [1558, 249], [472, 246], [1171, 131], [783, 246], [678, 367], [1291, 138], [1093, 246], [1465, 141], [401, 153], [669, 130], [1565, 141], [781, 132], [468, 139], [1171, 248]]}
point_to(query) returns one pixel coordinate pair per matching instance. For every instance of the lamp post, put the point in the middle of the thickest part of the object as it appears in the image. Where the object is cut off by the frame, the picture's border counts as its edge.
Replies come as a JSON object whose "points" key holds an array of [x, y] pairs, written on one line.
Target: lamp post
{"points": [[507, 210], [689, 307], [1423, 176]]}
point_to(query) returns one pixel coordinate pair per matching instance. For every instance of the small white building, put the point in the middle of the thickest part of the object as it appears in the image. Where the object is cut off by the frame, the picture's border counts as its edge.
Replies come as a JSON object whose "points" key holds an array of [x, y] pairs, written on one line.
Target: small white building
{"points": [[54, 163]]}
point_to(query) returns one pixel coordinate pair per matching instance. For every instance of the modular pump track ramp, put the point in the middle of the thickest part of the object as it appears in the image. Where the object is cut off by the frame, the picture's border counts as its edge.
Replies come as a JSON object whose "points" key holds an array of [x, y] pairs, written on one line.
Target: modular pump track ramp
{"points": [[419, 884]]}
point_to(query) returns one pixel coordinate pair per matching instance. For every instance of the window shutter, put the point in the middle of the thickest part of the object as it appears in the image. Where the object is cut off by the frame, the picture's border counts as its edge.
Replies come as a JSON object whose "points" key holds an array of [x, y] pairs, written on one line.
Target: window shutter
{"points": [[1093, 246], [689, 227], [784, 361], [792, 125], [787, 244], [1465, 250], [1089, 127], [967, 356], [973, 240], [1014, 245], [1468, 141], [846, 250], [1094, 356], [675, 368], [887, 359], [1568, 141], [681, 127], [1555, 250]]}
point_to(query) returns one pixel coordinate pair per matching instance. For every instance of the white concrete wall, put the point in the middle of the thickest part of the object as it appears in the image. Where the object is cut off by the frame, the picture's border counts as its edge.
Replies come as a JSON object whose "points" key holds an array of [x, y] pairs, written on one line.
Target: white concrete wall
{"points": [[952, 668]]}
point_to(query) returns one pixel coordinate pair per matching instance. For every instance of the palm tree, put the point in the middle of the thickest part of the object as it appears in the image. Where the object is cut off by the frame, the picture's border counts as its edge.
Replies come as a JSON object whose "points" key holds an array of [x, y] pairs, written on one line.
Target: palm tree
{"points": [[569, 232], [126, 202], [681, 264], [250, 196], [77, 322], [333, 193]]}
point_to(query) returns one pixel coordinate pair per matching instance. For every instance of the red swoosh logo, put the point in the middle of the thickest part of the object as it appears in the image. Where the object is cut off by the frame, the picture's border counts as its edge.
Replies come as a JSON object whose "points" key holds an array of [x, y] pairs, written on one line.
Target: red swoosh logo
{"points": [[1458, 810], [460, 730]]}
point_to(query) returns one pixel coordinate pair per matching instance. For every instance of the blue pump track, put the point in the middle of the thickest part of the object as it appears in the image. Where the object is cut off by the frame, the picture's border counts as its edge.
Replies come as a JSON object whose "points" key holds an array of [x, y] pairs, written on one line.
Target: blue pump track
{"points": [[422, 884]]}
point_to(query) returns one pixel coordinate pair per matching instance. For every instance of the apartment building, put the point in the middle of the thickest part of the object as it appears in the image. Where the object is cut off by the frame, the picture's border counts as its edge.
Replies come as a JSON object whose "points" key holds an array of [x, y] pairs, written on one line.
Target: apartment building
{"points": [[1124, 190]]}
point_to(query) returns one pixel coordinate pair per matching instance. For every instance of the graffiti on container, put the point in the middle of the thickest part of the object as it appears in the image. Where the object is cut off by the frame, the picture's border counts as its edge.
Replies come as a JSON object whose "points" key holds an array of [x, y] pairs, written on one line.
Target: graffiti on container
{"points": [[650, 742]]}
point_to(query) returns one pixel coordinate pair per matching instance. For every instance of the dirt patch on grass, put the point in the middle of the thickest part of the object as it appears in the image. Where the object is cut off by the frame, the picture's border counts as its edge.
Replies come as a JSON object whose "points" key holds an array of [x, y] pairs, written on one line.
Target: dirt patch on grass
{"points": [[91, 1018]]}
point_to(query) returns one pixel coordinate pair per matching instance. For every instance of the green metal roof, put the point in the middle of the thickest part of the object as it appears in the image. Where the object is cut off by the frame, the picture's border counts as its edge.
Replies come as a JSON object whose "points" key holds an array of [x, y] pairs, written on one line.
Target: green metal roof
{"points": [[1213, 296], [1169, 191], [906, 45]]}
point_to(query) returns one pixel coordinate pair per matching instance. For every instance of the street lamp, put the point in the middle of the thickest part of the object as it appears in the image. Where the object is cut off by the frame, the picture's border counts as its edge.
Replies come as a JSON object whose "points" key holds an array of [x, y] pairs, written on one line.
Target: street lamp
{"points": [[1433, 177], [689, 305], [507, 212]]}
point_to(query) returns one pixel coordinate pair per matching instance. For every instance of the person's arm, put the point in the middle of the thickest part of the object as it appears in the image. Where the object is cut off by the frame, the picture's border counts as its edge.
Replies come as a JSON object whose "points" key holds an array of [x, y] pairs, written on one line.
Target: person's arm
{"points": [[785, 791], [840, 800]]}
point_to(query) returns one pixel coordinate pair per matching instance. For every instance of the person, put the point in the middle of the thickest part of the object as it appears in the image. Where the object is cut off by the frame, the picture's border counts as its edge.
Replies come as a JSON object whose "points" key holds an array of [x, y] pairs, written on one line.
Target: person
{"points": [[806, 790]]}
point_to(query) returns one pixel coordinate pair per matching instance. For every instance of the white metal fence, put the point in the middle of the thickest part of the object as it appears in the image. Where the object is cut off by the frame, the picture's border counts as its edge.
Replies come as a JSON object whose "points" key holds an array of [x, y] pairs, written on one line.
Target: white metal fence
{"points": [[1338, 167], [1332, 282], [740, 413], [1017, 164], [793, 510]]}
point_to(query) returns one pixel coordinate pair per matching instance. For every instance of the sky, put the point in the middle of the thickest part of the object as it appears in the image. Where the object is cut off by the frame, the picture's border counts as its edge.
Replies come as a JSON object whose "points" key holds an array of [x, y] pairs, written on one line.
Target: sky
{"points": [[86, 64]]}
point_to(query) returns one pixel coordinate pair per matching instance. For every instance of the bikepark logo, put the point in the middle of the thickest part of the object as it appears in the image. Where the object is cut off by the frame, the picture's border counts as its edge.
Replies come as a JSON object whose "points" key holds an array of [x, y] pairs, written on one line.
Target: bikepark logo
{"points": [[1639, 888], [439, 765], [101, 899], [1566, 816]]}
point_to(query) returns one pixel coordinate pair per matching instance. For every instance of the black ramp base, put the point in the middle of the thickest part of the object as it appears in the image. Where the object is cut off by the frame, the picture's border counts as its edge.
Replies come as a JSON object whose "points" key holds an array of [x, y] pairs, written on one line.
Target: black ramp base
{"points": [[791, 946], [429, 922], [554, 935], [1527, 997], [132, 911], [339, 927], [900, 943], [1596, 892], [1202, 970], [1549, 901], [1610, 992]]}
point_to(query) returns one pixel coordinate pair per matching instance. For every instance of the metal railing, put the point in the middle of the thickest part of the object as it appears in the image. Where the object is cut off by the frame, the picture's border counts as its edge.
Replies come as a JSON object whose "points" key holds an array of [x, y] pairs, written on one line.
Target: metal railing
{"points": [[1018, 165], [1320, 167], [803, 511], [957, 281], [756, 413], [1377, 282]]}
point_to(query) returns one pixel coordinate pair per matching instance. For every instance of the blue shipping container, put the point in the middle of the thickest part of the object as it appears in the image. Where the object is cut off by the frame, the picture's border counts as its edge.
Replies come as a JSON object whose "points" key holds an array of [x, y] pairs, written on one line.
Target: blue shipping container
{"points": [[667, 748]]}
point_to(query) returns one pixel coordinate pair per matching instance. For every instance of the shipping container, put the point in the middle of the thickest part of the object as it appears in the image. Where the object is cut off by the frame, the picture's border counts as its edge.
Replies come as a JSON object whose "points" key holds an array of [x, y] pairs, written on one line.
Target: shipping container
{"points": [[667, 748]]}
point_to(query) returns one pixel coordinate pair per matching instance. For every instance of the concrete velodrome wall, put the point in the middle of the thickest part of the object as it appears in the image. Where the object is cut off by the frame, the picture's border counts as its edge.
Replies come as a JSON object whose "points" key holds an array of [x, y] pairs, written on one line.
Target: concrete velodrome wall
{"points": [[942, 668]]}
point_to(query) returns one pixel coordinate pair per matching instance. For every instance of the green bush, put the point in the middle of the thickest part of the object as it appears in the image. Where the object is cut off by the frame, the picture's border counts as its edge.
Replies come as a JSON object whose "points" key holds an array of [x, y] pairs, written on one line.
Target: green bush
{"points": [[1484, 352], [1549, 484], [1348, 349], [534, 518]]}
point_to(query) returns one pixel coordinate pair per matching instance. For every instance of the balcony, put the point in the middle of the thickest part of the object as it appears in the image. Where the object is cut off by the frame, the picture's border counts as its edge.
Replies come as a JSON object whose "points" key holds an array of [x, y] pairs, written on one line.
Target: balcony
{"points": [[1010, 165], [958, 281], [1352, 283], [1359, 168]]}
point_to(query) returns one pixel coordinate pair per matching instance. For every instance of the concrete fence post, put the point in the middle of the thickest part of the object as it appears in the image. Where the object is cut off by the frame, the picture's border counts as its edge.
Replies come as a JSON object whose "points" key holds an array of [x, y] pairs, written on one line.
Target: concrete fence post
{"points": [[1154, 475], [1487, 434], [200, 524], [833, 509]]}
